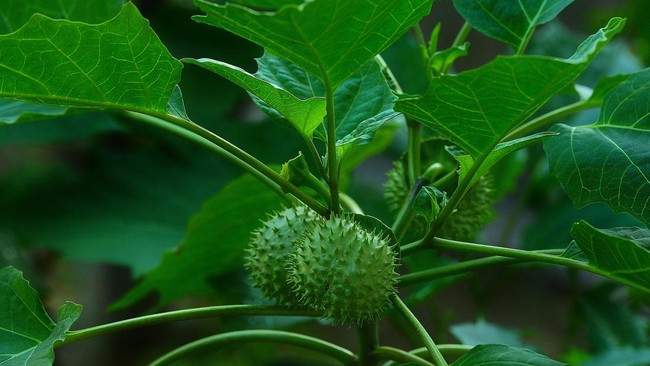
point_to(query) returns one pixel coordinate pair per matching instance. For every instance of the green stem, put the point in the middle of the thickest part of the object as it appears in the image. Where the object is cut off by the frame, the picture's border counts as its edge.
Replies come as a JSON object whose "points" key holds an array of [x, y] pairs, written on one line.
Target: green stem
{"points": [[462, 35], [273, 336], [460, 268], [401, 356], [316, 156], [413, 152], [460, 39], [448, 350], [405, 213], [510, 253], [317, 186], [424, 51], [332, 158], [524, 42], [238, 156], [350, 204], [550, 117], [368, 343], [434, 352], [178, 315]]}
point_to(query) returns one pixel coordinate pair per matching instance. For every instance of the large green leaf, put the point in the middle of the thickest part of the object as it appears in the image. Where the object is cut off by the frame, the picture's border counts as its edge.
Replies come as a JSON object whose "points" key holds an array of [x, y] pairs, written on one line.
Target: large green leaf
{"points": [[330, 39], [622, 254], [497, 354], [511, 22], [477, 108], [361, 104], [27, 334], [125, 210], [118, 64], [15, 13], [609, 161], [214, 244], [305, 115]]}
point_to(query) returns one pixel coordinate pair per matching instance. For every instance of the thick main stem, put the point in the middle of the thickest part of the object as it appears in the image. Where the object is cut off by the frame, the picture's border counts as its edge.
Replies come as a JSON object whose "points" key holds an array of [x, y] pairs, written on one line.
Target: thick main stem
{"points": [[332, 158], [368, 342]]}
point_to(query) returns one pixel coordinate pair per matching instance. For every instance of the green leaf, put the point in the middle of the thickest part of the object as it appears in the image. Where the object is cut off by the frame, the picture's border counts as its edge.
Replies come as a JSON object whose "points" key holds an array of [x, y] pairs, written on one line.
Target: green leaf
{"points": [[511, 22], [267, 4], [27, 334], [482, 332], [125, 210], [429, 202], [12, 111], [609, 161], [611, 324], [118, 64], [213, 246], [497, 354], [621, 357], [362, 104], [502, 150], [305, 115], [15, 13], [441, 60], [477, 108], [330, 39], [623, 254]]}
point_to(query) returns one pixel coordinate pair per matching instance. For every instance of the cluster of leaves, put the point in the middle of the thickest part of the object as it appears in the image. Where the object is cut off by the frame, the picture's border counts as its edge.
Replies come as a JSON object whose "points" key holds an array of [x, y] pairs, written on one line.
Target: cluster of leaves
{"points": [[321, 74]]}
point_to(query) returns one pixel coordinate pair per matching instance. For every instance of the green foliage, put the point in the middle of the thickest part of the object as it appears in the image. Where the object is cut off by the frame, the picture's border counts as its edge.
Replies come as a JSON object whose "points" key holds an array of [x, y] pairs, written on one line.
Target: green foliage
{"points": [[27, 334], [607, 161], [338, 73]]}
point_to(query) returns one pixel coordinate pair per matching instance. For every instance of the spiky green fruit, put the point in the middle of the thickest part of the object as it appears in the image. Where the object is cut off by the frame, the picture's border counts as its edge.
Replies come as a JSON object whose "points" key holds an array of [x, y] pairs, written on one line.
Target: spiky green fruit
{"points": [[345, 271], [269, 252], [472, 213]]}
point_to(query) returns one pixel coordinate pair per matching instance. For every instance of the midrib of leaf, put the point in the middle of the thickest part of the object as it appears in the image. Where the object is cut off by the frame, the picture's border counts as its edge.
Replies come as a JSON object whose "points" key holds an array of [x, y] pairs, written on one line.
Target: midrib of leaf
{"points": [[137, 67]]}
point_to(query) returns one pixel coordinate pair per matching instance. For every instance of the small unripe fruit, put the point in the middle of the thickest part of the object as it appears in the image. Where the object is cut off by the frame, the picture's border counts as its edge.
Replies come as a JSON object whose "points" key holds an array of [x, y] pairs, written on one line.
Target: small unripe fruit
{"points": [[472, 213], [270, 250], [345, 271]]}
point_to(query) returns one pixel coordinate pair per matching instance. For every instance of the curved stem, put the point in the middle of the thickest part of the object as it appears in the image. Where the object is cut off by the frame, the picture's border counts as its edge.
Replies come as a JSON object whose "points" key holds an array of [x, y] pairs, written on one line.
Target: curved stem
{"points": [[550, 117], [449, 350], [350, 204], [178, 315], [462, 267], [436, 356], [238, 156], [404, 215], [316, 156], [401, 356], [274, 336]]}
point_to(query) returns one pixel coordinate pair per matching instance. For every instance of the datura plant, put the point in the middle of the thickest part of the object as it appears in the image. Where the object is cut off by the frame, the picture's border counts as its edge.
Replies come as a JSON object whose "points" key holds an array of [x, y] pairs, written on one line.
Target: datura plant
{"points": [[336, 82]]}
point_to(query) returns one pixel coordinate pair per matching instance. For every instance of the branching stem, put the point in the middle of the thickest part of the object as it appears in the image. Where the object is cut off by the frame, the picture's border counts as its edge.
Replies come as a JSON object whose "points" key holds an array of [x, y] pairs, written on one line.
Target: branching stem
{"points": [[434, 352], [179, 315]]}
